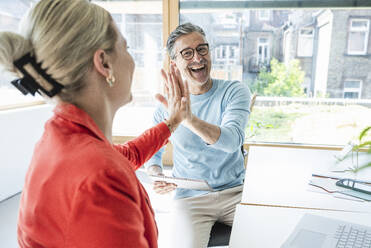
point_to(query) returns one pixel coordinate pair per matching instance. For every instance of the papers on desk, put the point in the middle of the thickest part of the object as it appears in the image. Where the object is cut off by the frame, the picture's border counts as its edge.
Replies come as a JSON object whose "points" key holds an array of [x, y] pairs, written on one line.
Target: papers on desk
{"points": [[184, 183], [328, 186], [344, 168]]}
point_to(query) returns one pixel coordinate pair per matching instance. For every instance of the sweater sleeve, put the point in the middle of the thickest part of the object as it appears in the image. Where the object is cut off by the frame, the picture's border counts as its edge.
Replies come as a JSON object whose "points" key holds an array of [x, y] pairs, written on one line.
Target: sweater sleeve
{"points": [[142, 148], [158, 116], [106, 213], [234, 119]]}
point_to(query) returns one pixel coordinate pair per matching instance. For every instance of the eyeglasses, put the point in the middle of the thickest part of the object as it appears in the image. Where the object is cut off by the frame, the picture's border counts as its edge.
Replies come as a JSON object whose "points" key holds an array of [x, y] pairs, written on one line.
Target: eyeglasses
{"points": [[188, 53]]}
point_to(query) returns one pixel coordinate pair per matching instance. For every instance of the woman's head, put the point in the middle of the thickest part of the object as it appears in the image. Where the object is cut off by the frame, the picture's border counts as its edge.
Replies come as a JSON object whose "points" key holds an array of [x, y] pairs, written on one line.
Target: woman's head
{"points": [[63, 35]]}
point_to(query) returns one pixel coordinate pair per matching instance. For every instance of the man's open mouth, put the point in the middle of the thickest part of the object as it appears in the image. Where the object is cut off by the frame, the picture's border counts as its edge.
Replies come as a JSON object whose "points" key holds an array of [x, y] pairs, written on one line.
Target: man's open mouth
{"points": [[198, 68]]}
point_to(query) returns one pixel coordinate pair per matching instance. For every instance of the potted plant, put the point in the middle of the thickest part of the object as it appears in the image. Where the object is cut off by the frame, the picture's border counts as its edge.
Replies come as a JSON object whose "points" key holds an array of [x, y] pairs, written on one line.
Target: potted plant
{"points": [[364, 145]]}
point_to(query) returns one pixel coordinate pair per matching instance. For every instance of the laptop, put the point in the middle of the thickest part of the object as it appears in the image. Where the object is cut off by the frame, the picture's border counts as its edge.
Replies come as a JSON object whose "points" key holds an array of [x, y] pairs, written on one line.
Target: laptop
{"points": [[322, 232]]}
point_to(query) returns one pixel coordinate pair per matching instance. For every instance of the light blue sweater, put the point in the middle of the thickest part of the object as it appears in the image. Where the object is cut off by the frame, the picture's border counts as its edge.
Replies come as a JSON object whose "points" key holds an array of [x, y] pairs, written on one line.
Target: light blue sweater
{"points": [[226, 105]]}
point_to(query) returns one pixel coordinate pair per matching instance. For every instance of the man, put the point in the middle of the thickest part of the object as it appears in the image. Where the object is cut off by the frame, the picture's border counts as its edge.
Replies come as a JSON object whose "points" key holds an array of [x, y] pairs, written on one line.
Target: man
{"points": [[208, 143]]}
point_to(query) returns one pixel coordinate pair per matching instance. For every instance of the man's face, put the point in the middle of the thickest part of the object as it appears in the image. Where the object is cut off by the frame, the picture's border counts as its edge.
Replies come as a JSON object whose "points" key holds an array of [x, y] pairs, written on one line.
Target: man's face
{"points": [[195, 69]]}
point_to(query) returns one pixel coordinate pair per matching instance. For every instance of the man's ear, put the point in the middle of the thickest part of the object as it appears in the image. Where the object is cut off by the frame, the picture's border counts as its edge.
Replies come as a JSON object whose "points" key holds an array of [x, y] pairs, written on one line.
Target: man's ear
{"points": [[101, 63]]}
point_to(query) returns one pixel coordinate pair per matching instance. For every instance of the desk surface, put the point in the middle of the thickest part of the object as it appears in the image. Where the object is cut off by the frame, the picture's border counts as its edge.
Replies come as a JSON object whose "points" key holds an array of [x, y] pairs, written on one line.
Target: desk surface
{"points": [[263, 226], [280, 176]]}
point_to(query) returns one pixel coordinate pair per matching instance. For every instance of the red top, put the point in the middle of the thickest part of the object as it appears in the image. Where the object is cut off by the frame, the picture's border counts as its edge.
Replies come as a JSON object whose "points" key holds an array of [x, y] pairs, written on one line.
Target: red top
{"points": [[81, 191]]}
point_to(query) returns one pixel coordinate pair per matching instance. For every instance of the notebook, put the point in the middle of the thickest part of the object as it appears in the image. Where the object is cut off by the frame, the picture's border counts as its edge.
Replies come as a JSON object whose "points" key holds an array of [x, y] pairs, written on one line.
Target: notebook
{"points": [[322, 232]]}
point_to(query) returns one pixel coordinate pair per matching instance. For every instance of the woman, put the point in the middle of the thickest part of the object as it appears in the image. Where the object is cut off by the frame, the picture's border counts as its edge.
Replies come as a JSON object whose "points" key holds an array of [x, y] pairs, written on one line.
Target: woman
{"points": [[80, 189]]}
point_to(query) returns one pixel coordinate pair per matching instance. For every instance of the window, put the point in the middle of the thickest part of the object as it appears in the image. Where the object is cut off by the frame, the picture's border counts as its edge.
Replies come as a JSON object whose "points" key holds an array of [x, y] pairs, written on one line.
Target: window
{"points": [[226, 54], [140, 22], [302, 96], [220, 53], [263, 51], [264, 15], [305, 42], [358, 36], [352, 89]]}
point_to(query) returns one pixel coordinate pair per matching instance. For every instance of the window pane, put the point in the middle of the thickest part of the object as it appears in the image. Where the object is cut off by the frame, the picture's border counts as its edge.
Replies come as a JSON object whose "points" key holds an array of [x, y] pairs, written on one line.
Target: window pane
{"points": [[11, 13], [352, 84], [140, 22], [301, 88], [305, 46], [306, 31], [351, 95], [359, 24], [357, 41]]}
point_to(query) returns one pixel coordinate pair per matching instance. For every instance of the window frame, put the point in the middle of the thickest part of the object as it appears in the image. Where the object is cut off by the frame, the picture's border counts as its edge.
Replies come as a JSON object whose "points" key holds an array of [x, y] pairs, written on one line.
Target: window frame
{"points": [[267, 44], [358, 30], [264, 17], [301, 38], [353, 90]]}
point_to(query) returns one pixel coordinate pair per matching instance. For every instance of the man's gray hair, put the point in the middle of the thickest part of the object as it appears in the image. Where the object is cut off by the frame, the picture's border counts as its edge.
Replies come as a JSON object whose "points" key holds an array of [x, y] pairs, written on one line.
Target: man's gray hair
{"points": [[181, 30]]}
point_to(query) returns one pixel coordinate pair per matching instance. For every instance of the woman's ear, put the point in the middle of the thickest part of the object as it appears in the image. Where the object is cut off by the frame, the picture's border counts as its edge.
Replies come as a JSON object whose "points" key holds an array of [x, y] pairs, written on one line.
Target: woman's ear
{"points": [[101, 63]]}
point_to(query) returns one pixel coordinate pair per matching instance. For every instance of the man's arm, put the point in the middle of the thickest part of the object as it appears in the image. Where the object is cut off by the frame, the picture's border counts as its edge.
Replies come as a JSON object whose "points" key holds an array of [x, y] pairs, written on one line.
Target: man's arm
{"points": [[229, 136], [209, 133], [156, 160]]}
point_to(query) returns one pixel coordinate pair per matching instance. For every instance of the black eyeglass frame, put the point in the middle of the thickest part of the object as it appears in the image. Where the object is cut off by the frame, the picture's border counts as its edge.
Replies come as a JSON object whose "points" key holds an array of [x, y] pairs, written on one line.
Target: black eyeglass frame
{"points": [[193, 51]]}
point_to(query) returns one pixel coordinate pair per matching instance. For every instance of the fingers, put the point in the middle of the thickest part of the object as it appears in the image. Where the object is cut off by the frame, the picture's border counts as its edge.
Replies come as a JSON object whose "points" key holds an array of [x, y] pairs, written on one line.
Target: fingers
{"points": [[170, 85], [162, 187], [166, 82], [180, 82], [161, 99], [186, 89], [175, 82], [174, 86]]}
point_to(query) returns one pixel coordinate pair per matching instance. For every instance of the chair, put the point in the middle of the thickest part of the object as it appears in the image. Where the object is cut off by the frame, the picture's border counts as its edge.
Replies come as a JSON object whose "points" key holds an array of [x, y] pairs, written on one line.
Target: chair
{"points": [[219, 235]]}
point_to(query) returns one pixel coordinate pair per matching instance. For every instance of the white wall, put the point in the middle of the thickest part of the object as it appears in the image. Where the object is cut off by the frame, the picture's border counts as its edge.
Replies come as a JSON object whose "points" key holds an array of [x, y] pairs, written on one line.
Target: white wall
{"points": [[20, 129]]}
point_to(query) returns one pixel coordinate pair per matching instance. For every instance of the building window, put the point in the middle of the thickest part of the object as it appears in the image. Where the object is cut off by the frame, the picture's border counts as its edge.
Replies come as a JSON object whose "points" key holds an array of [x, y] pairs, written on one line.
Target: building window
{"points": [[263, 51], [352, 89], [358, 36], [305, 42], [264, 15], [220, 52], [232, 52]]}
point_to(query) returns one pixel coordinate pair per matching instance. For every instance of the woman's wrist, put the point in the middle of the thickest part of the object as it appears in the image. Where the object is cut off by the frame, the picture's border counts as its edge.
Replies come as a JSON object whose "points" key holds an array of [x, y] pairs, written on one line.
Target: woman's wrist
{"points": [[171, 125]]}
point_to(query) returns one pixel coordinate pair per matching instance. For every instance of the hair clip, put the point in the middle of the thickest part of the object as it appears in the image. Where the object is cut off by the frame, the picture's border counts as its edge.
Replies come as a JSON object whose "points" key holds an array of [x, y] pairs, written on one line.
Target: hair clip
{"points": [[23, 87], [28, 83]]}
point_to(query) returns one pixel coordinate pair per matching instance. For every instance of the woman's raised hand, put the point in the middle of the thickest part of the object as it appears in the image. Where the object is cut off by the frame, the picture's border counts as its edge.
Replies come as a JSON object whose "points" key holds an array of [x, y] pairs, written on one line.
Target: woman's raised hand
{"points": [[177, 101]]}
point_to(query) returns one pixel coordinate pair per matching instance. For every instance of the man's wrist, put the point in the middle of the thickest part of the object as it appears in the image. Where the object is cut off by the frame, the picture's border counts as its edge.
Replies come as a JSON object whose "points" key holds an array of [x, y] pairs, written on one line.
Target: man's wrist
{"points": [[189, 121], [154, 169]]}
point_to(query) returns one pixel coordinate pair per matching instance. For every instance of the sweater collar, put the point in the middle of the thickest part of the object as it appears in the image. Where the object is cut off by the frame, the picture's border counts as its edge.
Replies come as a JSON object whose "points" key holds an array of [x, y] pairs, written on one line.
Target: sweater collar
{"points": [[74, 114], [205, 95]]}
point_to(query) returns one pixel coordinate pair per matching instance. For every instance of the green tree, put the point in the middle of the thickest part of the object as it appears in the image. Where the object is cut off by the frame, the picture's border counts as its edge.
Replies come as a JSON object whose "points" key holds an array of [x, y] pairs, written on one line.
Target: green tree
{"points": [[281, 80]]}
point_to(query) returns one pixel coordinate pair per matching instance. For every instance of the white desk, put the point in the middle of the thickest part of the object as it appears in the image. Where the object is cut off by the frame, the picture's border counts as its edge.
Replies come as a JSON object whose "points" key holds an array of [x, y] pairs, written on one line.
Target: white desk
{"points": [[269, 227], [276, 195], [280, 176]]}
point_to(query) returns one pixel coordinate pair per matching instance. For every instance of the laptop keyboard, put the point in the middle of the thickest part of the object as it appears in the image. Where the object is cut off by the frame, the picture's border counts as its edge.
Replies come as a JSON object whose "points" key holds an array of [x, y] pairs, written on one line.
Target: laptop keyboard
{"points": [[349, 236]]}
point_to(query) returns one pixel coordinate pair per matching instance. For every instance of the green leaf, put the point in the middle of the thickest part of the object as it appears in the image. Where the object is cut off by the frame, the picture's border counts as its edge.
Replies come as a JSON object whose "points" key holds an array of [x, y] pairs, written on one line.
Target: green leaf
{"points": [[362, 167], [364, 132], [365, 144]]}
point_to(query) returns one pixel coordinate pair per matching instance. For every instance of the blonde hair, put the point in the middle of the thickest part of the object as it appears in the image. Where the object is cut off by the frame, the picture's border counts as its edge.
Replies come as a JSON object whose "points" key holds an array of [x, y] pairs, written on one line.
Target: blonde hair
{"points": [[63, 35]]}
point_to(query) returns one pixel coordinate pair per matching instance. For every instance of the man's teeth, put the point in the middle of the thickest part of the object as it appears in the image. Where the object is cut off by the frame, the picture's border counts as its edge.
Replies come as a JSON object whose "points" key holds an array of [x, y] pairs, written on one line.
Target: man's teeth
{"points": [[198, 68]]}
